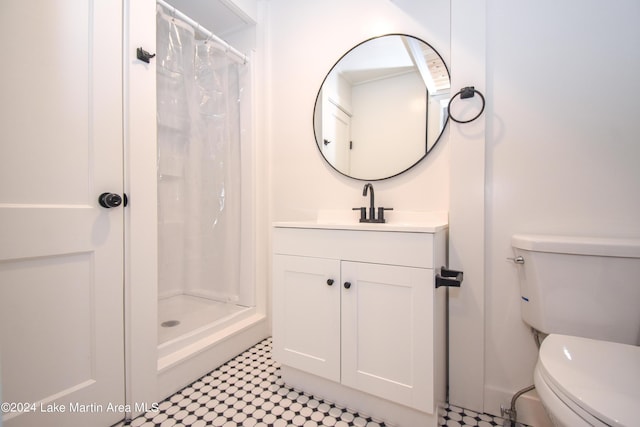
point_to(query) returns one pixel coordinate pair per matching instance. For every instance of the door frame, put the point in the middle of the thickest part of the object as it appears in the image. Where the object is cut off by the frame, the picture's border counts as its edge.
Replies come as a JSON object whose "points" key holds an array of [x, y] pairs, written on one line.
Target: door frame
{"points": [[140, 180]]}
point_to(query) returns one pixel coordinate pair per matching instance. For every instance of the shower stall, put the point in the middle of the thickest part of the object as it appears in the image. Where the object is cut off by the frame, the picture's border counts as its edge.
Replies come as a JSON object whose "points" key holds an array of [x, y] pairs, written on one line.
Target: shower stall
{"points": [[205, 277]]}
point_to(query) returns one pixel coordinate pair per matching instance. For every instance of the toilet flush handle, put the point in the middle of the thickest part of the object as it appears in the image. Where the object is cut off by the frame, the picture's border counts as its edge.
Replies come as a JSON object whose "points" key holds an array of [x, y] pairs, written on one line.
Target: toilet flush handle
{"points": [[517, 260]]}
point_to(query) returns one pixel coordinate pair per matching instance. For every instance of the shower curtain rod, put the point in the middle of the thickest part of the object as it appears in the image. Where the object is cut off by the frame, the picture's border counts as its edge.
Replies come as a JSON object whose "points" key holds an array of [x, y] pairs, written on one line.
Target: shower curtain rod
{"points": [[199, 28]]}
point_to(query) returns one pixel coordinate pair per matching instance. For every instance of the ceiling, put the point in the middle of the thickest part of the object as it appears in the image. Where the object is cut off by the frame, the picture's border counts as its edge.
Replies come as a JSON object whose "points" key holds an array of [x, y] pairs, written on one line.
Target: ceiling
{"points": [[386, 57], [437, 69], [218, 16]]}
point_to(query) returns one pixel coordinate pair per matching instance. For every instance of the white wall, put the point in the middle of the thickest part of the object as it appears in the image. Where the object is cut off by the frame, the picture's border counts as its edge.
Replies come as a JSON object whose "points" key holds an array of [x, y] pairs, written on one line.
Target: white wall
{"points": [[306, 39], [380, 149], [467, 207], [563, 146], [562, 126]]}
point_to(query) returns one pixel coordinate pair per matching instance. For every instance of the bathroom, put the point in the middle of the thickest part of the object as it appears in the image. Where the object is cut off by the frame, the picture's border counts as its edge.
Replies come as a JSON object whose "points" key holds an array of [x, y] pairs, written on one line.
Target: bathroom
{"points": [[554, 152]]}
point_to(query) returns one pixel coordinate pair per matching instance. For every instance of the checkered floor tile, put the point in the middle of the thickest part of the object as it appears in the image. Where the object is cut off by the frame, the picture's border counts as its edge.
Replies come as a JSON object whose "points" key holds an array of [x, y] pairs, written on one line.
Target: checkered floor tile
{"points": [[459, 417], [247, 391]]}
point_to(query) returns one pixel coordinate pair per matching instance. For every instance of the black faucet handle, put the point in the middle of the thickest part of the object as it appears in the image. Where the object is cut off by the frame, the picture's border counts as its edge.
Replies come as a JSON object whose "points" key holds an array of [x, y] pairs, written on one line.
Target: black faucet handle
{"points": [[381, 213], [363, 213]]}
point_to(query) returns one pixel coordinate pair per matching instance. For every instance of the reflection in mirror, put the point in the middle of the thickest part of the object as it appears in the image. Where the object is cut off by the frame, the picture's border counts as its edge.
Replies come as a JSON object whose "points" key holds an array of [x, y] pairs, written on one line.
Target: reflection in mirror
{"points": [[382, 107]]}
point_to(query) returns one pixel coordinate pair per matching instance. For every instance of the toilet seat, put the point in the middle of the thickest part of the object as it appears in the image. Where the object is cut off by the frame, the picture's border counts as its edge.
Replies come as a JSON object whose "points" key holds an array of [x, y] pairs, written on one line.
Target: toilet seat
{"points": [[561, 410], [597, 379]]}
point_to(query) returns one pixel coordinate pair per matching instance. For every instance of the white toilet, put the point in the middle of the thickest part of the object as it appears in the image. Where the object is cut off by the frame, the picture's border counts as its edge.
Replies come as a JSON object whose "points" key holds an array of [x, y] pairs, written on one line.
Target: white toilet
{"points": [[584, 293]]}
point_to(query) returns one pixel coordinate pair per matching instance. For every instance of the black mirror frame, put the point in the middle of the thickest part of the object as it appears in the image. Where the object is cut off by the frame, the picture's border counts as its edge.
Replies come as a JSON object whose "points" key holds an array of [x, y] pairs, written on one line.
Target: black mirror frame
{"points": [[427, 151]]}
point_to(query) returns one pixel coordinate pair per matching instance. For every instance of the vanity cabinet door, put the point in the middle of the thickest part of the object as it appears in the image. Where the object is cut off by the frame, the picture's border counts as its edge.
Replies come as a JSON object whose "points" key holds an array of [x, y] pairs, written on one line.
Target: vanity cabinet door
{"points": [[387, 332], [306, 314]]}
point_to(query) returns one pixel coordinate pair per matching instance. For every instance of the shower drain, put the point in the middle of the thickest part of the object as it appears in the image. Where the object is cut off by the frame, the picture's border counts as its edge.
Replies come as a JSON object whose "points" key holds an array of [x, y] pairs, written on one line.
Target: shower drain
{"points": [[170, 323]]}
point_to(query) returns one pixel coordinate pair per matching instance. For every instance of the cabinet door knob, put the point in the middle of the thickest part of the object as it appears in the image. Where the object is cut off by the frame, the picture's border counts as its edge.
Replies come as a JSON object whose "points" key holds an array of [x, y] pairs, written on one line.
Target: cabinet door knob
{"points": [[347, 285], [329, 282]]}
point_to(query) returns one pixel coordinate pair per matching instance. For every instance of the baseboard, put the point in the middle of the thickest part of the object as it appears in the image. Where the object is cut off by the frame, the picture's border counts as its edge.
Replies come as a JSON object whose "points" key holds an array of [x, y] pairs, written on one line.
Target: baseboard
{"points": [[528, 406]]}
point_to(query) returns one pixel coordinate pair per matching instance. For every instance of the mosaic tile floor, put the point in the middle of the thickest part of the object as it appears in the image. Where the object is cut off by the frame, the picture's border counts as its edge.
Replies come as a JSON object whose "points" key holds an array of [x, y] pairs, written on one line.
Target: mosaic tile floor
{"points": [[247, 391]]}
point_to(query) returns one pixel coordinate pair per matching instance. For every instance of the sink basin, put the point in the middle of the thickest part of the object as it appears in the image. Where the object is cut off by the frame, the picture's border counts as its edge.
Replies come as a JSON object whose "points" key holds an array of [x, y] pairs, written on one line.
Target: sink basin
{"points": [[406, 221]]}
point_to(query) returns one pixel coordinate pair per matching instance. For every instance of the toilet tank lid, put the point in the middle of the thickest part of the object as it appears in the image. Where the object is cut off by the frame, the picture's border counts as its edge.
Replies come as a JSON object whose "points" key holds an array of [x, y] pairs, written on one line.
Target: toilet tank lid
{"points": [[577, 245]]}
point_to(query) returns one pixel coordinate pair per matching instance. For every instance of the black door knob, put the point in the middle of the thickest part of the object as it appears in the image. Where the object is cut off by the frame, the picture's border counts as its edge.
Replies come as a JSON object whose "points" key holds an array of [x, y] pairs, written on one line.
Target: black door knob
{"points": [[110, 200], [347, 285], [329, 282]]}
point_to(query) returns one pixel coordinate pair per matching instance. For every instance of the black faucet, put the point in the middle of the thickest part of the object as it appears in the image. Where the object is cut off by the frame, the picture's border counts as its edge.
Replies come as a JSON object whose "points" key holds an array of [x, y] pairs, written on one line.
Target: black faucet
{"points": [[372, 210]]}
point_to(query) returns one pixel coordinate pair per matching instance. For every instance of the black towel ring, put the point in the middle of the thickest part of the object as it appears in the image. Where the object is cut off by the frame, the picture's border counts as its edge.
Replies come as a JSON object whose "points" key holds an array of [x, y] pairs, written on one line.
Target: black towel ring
{"points": [[466, 92]]}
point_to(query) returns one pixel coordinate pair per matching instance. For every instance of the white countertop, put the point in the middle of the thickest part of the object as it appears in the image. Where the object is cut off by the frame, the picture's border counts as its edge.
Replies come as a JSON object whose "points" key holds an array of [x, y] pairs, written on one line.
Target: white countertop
{"points": [[399, 221]]}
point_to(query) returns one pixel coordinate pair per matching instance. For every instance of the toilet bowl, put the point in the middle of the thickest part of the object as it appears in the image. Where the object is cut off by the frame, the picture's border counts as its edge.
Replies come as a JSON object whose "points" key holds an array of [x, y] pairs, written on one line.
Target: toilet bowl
{"points": [[586, 382]]}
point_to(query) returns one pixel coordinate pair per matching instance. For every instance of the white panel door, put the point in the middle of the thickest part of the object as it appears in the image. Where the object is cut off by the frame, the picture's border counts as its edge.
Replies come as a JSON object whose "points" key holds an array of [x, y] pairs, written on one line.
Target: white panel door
{"points": [[336, 132], [61, 253], [387, 332], [306, 314]]}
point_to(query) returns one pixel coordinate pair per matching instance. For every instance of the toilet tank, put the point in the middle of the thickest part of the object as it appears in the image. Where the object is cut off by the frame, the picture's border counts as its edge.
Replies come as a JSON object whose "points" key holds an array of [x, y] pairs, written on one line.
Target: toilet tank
{"points": [[588, 287]]}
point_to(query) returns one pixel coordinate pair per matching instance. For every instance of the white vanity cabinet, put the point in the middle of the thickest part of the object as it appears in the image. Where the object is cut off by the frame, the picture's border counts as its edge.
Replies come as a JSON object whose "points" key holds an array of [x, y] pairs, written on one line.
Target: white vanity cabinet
{"points": [[306, 314], [358, 310]]}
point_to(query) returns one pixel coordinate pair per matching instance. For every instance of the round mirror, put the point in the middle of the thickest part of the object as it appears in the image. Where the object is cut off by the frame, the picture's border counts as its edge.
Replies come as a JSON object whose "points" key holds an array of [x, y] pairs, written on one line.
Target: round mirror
{"points": [[382, 107]]}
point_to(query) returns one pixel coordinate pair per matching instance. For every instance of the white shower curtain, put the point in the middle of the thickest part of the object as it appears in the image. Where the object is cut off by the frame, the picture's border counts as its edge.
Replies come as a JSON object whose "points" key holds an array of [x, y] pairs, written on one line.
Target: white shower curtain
{"points": [[199, 169]]}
